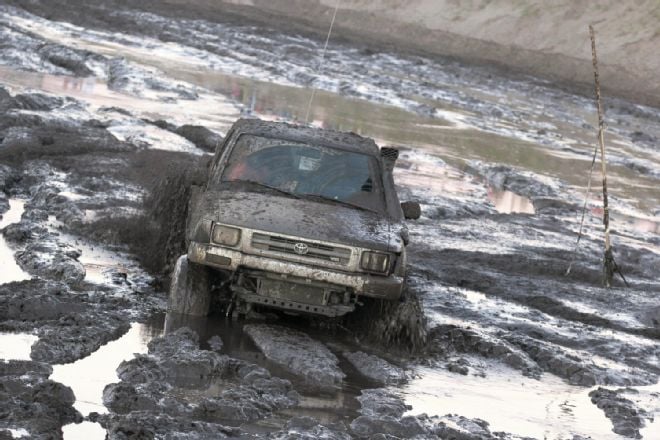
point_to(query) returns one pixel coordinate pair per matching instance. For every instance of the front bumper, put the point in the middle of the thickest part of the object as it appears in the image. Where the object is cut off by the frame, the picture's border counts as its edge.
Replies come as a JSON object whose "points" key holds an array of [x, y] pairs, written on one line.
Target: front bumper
{"points": [[389, 287]]}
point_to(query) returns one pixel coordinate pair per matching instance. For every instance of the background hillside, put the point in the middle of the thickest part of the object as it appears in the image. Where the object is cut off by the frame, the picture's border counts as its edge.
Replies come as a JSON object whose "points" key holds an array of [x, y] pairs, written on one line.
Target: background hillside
{"points": [[548, 39]]}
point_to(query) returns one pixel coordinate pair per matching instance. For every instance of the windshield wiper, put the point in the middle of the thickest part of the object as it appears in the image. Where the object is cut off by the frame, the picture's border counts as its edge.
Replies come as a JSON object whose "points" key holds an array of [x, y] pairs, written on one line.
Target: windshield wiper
{"points": [[274, 188], [340, 202]]}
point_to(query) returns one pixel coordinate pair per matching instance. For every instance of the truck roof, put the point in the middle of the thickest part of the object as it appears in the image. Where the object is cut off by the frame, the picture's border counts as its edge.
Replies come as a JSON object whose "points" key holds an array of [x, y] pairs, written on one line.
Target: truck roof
{"points": [[300, 133]]}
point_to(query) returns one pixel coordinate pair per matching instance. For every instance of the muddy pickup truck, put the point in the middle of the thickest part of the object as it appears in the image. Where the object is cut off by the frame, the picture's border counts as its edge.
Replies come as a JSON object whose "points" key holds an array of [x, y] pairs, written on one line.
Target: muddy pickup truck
{"points": [[294, 218]]}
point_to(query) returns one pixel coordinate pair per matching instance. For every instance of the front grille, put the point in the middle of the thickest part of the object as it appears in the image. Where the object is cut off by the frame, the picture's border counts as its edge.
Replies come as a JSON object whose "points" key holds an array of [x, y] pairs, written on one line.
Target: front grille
{"points": [[315, 251]]}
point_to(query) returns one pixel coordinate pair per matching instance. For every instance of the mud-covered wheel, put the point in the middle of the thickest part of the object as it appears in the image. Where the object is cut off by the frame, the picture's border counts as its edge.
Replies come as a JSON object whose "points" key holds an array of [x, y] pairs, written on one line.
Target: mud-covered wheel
{"points": [[403, 322], [190, 292], [396, 323]]}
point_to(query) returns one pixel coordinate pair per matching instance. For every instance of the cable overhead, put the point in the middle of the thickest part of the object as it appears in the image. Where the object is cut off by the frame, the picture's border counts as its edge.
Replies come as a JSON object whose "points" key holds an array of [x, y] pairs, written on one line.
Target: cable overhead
{"points": [[325, 48]]}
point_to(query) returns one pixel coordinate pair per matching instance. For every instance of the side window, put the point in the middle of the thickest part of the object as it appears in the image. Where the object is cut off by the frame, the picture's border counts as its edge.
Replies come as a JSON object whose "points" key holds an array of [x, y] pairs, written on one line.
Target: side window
{"points": [[219, 154]]}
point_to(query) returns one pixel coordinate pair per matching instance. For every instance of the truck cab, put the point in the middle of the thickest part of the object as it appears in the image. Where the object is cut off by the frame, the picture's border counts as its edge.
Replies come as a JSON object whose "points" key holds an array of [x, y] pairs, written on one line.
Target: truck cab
{"points": [[296, 218]]}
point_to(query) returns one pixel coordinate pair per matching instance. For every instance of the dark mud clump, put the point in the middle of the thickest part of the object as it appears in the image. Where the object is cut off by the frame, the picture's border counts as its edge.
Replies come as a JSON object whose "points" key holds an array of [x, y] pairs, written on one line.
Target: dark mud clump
{"points": [[382, 413], [447, 340], [51, 260], [299, 353], [177, 388], [626, 417], [308, 428], [70, 324], [31, 136], [382, 417], [202, 137], [376, 368], [30, 401], [72, 60]]}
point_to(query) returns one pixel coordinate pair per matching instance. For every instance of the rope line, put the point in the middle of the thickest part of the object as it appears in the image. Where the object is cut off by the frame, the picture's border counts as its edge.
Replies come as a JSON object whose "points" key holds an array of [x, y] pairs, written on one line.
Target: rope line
{"points": [[325, 48], [584, 210]]}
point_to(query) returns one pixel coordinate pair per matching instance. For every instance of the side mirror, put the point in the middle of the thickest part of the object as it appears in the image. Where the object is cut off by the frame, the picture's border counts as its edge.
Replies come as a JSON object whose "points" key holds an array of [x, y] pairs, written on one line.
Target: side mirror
{"points": [[411, 210]]}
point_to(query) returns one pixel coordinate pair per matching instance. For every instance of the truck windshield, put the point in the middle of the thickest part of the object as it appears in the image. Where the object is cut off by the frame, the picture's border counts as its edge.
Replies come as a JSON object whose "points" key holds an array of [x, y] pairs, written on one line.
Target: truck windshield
{"points": [[319, 172]]}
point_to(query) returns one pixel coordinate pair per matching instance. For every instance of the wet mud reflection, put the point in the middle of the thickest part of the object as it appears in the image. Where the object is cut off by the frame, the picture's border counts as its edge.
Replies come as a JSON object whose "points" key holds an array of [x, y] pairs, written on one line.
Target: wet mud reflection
{"points": [[508, 202], [11, 271], [16, 346], [88, 377], [546, 408]]}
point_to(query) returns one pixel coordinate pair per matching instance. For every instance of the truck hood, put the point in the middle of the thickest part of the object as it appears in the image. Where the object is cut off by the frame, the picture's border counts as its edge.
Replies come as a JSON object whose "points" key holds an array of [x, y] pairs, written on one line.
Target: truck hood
{"points": [[302, 218]]}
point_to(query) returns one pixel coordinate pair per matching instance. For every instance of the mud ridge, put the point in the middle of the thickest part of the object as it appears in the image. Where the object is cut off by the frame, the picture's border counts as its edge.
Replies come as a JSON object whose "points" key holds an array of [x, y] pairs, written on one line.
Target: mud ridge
{"points": [[623, 413], [30, 401]]}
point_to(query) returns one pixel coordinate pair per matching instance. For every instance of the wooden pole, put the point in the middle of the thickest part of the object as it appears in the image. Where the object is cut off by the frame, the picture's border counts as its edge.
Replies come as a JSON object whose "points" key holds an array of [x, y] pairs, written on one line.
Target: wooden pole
{"points": [[608, 260]]}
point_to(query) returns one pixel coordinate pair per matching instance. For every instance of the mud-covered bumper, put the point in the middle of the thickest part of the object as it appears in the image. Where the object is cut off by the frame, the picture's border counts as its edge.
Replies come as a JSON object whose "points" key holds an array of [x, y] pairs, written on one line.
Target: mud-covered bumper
{"points": [[231, 260]]}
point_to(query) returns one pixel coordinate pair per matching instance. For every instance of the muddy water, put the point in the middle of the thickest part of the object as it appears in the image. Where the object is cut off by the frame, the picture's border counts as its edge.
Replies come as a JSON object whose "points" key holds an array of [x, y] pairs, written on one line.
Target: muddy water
{"points": [[89, 376], [430, 177], [102, 266], [16, 346], [553, 410], [10, 270]]}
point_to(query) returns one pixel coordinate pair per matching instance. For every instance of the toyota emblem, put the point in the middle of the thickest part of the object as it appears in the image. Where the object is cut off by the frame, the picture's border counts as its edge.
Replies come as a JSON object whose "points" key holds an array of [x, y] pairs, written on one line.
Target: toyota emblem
{"points": [[300, 248]]}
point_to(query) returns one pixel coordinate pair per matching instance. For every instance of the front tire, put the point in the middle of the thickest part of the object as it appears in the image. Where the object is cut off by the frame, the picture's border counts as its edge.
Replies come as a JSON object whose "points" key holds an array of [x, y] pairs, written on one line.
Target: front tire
{"points": [[190, 292]]}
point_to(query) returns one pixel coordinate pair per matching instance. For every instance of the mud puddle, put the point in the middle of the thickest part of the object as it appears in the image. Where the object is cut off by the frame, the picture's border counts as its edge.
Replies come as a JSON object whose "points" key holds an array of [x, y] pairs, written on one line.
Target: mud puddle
{"points": [[103, 266], [11, 271], [545, 409], [648, 398], [16, 346], [88, 377], [19, 433], [432, 179]]}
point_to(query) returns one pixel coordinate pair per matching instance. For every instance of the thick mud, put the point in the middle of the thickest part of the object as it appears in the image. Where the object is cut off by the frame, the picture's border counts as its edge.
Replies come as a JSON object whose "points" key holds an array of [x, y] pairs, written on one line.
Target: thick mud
{"points": [[33, 403], [106, 124], [625, 416]]}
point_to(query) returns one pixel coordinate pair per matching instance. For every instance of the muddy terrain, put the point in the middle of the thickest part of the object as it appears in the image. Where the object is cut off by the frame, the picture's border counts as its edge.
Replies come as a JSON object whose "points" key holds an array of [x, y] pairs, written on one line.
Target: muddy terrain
{"points": [[109, 114]]}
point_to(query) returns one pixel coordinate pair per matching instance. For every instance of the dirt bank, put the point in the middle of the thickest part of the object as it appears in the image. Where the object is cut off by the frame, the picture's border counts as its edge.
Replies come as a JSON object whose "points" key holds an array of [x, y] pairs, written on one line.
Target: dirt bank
{"points": [[530, 36]]}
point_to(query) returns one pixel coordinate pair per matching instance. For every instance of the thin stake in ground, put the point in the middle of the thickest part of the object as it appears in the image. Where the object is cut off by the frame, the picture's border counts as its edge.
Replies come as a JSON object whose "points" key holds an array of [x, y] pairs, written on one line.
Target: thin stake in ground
{"points": [[609, 265]]}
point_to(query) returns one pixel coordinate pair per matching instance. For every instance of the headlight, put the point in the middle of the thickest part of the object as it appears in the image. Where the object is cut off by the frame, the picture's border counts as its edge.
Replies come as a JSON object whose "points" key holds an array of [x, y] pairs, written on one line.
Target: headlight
{"points": [[375, 262], [226, 236]]}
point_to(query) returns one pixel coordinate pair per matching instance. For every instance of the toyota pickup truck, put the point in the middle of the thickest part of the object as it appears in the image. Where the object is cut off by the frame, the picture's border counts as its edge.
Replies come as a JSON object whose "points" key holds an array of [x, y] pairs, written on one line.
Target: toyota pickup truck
{"points": [[294, 218]]}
